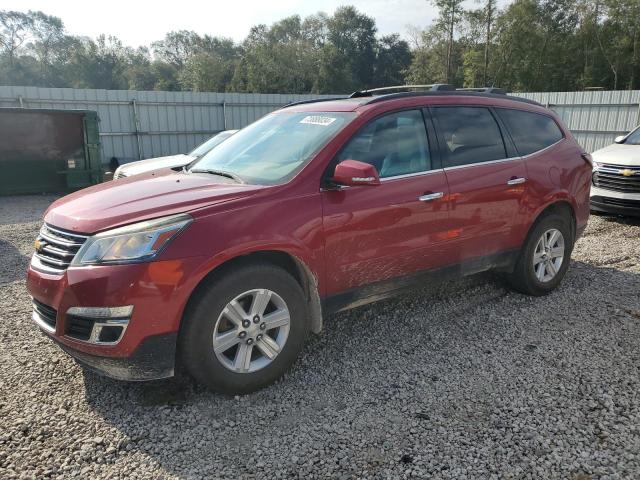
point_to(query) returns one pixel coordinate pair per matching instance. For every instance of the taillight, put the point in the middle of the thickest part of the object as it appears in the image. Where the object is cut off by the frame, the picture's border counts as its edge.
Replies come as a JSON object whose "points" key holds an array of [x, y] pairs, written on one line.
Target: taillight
{"points": [[587, 158]]}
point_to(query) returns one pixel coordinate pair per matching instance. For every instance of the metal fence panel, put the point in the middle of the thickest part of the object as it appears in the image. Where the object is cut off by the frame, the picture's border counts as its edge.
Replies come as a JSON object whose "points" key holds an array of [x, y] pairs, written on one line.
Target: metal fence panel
{"points": [[140, 124]]}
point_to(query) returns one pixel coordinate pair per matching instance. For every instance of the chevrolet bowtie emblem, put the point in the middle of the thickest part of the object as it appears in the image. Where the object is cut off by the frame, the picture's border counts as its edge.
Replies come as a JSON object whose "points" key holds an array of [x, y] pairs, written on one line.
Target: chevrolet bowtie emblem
{"points": [[38, 244], [626, 172]]}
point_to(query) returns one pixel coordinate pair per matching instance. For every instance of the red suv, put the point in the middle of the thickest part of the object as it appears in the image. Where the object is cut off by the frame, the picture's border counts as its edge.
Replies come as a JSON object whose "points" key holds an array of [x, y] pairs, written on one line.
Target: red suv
{"points": [[222, 268]]}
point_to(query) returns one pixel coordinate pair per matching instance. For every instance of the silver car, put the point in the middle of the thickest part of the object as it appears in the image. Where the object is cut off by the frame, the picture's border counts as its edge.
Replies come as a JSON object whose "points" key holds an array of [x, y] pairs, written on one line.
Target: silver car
{"points": [[616, 176], [180, 160]]}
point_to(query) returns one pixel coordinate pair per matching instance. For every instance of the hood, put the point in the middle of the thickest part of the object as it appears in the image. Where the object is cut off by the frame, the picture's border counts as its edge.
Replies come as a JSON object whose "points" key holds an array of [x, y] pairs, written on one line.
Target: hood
{"points": [[142, 166], [143, 197], [618, 154]]}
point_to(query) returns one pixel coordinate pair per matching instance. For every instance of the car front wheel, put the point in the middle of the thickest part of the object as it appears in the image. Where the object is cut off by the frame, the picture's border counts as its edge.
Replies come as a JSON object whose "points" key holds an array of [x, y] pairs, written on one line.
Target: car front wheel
{"points": [[245, 330]]}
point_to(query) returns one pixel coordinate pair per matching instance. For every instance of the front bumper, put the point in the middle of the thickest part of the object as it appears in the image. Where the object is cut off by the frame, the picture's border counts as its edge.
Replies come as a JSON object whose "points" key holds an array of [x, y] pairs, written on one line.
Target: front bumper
{"points": [[158, 292], [619, 203], [152, 360]]}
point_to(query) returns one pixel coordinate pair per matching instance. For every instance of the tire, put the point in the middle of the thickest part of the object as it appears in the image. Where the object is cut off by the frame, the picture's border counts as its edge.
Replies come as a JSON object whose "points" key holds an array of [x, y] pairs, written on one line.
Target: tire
{"points": [[525, 277], [215, 311]]}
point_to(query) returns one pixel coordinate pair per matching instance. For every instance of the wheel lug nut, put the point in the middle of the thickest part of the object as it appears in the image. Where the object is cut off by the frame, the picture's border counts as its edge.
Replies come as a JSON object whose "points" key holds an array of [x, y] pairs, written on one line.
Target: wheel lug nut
{"points": [[242, 334], [263, 326], [246, 323], [259, 337], [256, 319], [249, 341]]}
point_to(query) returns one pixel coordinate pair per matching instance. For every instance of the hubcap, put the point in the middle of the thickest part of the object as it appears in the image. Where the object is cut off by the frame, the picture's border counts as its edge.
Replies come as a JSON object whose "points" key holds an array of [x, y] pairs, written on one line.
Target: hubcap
{"points": [[548, 255], [251, 330]]}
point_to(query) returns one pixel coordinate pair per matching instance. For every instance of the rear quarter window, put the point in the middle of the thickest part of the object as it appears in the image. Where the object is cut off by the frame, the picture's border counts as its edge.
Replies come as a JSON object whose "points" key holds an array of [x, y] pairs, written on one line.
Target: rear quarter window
{"points": [[531, 132]]}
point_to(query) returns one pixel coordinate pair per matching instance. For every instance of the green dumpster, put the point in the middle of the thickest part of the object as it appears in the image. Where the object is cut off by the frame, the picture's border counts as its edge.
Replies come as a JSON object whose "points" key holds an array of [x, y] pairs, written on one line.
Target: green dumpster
{"points": [[48, 151]]}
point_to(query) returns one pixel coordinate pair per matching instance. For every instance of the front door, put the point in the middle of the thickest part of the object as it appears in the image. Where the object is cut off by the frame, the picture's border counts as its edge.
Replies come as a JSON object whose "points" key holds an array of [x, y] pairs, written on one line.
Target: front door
{"points": [[376, 233]]}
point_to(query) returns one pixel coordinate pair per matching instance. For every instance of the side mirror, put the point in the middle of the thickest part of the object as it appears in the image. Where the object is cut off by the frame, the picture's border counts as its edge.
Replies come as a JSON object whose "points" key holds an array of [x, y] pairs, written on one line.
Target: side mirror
{"points": [[353, 172], [620, 139]]}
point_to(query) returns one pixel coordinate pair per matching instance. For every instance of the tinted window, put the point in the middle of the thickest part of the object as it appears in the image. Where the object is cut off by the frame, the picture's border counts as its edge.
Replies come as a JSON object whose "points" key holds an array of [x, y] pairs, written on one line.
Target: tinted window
{"points": [[470, 134], [530, 131], [395, 144]]}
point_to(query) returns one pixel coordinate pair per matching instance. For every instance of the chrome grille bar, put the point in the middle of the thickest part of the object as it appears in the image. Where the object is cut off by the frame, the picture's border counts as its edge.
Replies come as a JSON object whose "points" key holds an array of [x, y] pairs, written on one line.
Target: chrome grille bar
{"points": [[55, 248]]}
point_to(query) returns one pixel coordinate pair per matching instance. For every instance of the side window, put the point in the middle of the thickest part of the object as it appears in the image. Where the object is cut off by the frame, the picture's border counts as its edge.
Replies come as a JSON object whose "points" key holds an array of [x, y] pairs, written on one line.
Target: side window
{"points": [[470, 134], [395, 144], [530, 131]]}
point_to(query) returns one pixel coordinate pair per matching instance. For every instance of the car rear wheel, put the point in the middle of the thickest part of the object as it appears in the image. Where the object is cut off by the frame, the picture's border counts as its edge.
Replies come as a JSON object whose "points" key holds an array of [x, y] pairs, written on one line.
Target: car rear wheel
{"points": [[245, 330], [544, 258]]}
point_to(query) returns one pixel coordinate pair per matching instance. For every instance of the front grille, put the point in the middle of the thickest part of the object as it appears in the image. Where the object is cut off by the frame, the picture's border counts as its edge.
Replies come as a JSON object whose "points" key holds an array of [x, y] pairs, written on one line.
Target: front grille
{"points": [[56, 248], [79, 327], [612, 177], [47, 314]]}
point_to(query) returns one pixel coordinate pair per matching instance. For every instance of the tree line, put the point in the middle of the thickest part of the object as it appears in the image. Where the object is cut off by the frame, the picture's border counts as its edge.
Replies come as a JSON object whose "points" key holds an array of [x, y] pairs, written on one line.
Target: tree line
{"points": [[528, 45]]}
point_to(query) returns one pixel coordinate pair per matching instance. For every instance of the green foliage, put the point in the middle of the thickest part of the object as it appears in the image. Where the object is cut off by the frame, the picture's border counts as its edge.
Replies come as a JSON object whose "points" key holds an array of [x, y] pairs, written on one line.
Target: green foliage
{"points": [[534, 45], [528, 45]]}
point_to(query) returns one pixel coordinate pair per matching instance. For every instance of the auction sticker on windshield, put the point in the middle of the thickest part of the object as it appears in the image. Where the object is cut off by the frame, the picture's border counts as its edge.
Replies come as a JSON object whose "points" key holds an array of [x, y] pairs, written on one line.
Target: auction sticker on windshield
{"points": [[318, 120]]}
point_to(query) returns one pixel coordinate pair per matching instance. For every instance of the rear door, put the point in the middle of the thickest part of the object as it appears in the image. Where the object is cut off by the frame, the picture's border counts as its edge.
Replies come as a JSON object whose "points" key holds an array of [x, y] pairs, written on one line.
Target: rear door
{"points": [[486, 180], [375, 233]]}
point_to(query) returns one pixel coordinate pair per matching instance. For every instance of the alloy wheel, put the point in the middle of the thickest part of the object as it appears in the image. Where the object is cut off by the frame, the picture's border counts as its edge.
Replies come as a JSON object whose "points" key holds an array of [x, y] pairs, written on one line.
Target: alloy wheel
{"points": [[548, 255], [251, 330]]}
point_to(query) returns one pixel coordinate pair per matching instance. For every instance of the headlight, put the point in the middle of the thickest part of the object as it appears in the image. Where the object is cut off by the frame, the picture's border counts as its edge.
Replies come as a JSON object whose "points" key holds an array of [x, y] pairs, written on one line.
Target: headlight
{"points": [[133, 243], [596, 166]]}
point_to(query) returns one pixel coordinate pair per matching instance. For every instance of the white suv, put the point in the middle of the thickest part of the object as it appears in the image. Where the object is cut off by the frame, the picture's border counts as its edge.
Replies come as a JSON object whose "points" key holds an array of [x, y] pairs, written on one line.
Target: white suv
{"points": [[616, 176]]}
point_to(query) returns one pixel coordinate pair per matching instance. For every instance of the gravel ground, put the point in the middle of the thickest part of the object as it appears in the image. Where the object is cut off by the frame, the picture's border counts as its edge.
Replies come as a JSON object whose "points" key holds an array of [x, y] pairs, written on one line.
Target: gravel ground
{"points": [[468, 380]]}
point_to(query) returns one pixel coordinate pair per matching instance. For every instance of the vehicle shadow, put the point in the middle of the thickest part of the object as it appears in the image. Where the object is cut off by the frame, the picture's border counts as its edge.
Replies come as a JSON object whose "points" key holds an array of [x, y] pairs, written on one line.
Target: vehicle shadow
{"points": [[375, 369], [619, 219], [14, 263]]}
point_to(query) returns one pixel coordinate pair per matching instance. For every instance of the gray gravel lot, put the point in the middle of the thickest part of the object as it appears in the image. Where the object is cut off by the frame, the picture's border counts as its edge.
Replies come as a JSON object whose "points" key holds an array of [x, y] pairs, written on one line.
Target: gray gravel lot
{"points": [[468, 380]]}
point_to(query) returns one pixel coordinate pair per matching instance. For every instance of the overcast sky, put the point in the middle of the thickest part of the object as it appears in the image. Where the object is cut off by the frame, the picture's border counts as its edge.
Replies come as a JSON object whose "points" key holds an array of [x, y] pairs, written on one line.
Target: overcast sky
{"points": [[139, 22]]}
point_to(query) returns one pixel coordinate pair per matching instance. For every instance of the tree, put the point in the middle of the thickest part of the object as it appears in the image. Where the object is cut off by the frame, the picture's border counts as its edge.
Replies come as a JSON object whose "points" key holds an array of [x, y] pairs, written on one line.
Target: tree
{"points": [[488, 17], [353, 39], [451, 12], [393, 58], [15, 29], [48, 45], [176, 47]]}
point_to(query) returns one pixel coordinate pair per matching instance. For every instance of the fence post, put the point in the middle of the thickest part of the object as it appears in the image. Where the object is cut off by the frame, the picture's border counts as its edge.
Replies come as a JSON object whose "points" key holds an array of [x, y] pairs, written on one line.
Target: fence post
{"points": [[224, 115], [136, 126]]}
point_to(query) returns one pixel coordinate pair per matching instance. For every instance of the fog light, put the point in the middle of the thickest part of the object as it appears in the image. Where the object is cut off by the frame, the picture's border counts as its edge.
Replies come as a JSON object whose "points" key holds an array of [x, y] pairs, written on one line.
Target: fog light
{"points": [[98, 325]]}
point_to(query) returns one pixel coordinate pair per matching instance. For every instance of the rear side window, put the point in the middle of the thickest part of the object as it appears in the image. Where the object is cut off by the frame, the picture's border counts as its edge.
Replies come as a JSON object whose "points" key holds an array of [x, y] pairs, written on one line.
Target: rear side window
{"points": [[396, 144], [470, 135], [530, 131]]}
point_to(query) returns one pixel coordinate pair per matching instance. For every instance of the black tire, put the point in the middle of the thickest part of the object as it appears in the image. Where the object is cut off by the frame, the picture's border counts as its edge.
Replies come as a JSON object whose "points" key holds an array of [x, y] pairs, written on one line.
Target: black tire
{"points": [[523, 278], [196, 336]]}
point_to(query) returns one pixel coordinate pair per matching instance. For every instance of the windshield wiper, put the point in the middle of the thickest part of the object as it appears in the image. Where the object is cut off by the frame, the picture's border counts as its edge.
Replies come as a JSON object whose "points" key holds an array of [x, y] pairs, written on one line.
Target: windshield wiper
{"points": [[220, 173]]}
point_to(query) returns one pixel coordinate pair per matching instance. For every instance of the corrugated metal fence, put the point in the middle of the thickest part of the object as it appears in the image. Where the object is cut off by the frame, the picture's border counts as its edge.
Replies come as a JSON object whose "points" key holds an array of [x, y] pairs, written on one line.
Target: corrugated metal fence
{"points": [[136, 124]]}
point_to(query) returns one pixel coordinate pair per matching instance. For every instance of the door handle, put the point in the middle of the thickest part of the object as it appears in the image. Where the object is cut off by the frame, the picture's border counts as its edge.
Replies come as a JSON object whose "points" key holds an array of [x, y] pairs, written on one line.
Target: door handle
{"points": [[427, 197], [516, 180]]}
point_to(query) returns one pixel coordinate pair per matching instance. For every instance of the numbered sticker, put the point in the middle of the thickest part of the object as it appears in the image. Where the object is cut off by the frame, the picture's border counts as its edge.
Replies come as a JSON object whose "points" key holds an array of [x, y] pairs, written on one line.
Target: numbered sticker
{"points": [[318, 120]]}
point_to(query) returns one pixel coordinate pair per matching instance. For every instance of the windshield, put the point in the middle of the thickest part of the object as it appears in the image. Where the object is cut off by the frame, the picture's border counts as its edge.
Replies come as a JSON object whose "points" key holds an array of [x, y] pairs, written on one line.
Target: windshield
{"points": [[276, 147], [209, 144], [634, 138]]}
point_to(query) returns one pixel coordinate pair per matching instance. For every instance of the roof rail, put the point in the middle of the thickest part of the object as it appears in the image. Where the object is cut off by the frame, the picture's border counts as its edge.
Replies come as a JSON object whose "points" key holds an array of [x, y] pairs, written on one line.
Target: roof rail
{"points": [[494, 90], [434, 87], [391, 96], [314, 100]]}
